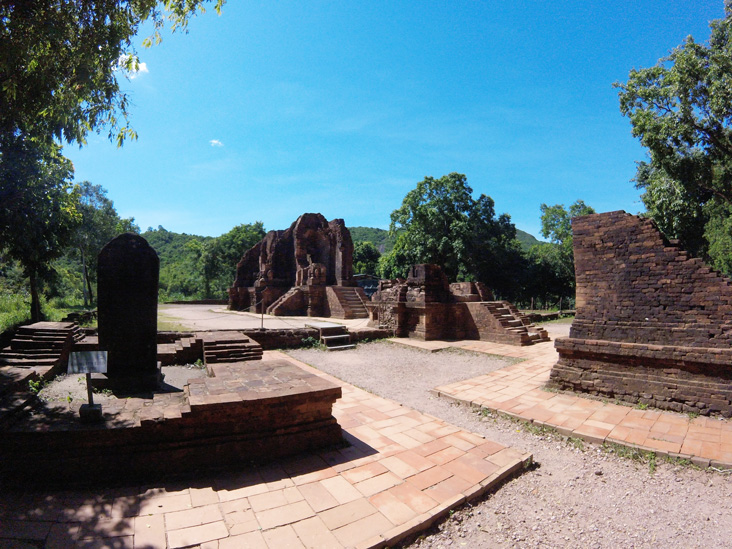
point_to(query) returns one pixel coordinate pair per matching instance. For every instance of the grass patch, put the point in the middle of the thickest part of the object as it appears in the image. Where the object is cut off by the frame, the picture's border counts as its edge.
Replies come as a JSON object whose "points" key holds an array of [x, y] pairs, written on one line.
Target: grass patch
{"points": [[643, 457], [14, 310]]}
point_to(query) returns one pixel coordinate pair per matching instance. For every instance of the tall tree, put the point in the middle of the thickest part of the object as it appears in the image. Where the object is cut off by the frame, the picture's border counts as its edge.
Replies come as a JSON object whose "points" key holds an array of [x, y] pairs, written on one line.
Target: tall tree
{"points": [[99, 223], [365, 258], [556, 225], [440, 222], [220, 256], [39, 216], [60, 64], [681, 110]]}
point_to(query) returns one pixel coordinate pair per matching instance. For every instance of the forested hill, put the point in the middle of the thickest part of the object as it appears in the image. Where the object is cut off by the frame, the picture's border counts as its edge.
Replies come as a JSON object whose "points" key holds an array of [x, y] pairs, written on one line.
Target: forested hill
{"points": [[527, 240], [380, 238], [170, 246]]}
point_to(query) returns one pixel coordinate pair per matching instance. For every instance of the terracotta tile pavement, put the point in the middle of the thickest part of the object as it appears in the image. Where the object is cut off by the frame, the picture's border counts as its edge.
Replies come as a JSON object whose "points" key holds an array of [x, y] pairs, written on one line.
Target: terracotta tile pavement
{"points": [[517, 390], [402, 471]]}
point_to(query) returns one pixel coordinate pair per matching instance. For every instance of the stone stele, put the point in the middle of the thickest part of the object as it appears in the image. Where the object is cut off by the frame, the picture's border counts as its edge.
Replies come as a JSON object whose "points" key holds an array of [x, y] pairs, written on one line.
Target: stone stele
{"points": [[127, 274]]}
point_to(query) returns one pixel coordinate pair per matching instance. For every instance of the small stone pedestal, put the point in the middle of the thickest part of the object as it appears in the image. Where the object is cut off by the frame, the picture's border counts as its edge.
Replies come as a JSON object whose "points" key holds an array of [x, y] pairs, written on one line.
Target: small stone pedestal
{"points": [[91, 413]]}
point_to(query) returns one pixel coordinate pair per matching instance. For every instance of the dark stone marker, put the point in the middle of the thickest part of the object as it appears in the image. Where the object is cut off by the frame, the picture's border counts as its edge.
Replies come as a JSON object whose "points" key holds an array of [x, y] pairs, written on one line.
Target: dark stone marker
{"points": [[127, 277]]}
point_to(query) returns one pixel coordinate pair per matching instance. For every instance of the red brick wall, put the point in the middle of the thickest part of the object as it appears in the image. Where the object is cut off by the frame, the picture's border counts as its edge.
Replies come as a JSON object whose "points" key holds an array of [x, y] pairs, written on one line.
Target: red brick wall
{"points": [[633, 286], [653, 324]]}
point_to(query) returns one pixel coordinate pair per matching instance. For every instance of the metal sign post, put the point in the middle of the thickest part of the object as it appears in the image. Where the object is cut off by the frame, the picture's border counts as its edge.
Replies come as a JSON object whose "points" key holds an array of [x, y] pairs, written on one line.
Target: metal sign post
{"points": [[89, 362]]}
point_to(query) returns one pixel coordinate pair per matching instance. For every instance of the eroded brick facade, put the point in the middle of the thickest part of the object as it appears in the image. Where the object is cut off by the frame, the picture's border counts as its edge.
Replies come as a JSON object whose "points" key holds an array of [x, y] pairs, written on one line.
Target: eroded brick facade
{"points": [[306, 270], [425, 306], [653, 324]]}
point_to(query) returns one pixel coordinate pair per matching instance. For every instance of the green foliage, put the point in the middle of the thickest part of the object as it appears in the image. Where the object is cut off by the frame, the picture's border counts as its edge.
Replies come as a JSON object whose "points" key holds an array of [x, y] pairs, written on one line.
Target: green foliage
{"points": [[198, 267], [365, 258], [681, 110], [678, 211], [99, 224], [59, 64], [312, 343], [378, 237], [221, 255], [39, 212], [14, 310], [526, 240], [556, 261], [440, 222]]}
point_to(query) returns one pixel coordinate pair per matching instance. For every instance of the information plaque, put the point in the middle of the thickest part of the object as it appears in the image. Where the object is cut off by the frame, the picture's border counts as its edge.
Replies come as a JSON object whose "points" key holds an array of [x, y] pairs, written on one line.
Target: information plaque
{"points": [[88, 362]]}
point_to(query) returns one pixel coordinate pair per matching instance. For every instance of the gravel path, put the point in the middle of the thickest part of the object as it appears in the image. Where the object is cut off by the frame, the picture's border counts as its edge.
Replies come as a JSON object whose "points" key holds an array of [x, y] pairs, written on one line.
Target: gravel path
{"points": [[577, 495]]}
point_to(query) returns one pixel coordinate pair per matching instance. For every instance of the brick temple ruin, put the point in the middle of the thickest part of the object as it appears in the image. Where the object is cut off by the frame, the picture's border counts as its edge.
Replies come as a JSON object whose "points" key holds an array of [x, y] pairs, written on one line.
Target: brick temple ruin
{"points": [[306, 270], [653, 324], [425, 306]]}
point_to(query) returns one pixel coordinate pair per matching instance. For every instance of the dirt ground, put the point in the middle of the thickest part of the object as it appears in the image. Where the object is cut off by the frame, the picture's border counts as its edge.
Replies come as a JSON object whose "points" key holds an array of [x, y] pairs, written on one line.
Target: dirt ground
{"points": [[577, 495]]}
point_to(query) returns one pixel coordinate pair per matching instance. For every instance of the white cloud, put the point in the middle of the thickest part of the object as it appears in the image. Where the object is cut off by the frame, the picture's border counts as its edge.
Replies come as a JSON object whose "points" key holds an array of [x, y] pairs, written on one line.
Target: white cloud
{"points": [[141, 69], [216, 143], [131, 66]]}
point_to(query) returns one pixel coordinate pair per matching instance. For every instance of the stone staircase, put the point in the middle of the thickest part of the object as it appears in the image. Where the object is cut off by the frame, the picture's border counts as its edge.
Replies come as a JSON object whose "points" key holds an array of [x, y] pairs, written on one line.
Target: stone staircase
{"points": [[232, 346], [185, 350], [335, 337], [516, 324], [43, 346], [351, 300], [291, 303]]}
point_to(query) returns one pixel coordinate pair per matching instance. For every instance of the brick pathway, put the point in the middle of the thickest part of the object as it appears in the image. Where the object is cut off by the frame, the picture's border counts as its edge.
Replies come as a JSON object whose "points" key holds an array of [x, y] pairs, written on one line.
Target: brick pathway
{"points": [[402, 471], [517, 391]]}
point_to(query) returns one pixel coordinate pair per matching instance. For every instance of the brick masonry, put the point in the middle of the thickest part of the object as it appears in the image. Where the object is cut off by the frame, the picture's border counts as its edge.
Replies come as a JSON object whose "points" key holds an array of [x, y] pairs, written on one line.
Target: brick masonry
{"points": [[248, 412], [653, 324]]}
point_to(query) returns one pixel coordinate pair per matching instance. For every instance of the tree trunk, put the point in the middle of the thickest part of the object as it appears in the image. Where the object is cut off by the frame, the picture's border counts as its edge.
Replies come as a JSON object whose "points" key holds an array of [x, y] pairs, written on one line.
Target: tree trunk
{"points": [[85, 278], [36, 315]]}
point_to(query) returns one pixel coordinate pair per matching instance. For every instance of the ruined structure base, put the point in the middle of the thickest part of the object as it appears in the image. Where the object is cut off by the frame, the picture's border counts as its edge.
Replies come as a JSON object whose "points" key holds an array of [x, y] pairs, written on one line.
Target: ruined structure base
{"points": [[682, 379], [249, 412]]}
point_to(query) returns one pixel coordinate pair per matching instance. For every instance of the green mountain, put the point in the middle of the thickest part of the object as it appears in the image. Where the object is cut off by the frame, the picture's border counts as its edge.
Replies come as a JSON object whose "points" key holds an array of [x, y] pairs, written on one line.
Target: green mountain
{"points": [[527, 240], [378, 237]]}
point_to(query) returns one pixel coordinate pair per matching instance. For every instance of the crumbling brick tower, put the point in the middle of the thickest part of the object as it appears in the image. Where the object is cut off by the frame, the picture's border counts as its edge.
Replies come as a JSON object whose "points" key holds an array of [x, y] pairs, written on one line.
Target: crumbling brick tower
{"points": [[653, 324]]}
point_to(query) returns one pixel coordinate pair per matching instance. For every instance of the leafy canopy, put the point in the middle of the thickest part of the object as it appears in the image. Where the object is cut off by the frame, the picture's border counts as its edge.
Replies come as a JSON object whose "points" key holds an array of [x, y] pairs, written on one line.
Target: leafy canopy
{"points": [[440, 222], [681, 109], [60, 62]]}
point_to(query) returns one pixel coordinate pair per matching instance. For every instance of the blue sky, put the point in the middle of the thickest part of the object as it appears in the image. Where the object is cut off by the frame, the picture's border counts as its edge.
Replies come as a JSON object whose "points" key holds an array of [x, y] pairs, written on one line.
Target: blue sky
{"points": [[274, 109]]}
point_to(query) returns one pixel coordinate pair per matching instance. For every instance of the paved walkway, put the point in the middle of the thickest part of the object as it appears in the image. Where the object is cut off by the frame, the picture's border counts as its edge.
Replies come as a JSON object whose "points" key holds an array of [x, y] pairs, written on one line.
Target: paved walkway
{"points": [[517, 390], [218, 317], [403, 471]]}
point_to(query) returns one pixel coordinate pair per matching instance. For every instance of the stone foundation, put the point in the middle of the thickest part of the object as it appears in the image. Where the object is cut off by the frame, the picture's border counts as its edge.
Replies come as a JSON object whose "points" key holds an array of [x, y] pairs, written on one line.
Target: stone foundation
{"points": [[249, 412]]}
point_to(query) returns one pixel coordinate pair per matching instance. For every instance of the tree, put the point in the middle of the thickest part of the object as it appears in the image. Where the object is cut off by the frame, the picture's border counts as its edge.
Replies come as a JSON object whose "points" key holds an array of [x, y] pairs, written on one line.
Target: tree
{"points": [[220, 256], [681, 109], [440, 222], [60, 61], [556, 225], [99, 223], [38, 217], [365, 258]]}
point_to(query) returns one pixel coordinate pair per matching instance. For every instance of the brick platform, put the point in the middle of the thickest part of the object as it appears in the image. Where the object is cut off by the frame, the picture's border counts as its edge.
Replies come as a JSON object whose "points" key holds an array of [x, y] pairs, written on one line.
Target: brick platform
{"points": [[403, 471], [248, 412]]}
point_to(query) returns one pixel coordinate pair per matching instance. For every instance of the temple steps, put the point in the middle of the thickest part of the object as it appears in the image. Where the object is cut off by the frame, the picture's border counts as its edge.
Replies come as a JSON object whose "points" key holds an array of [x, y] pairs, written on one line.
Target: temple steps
{"points": [[43, 346], [516, 324], [351, 301], [221, 347]]}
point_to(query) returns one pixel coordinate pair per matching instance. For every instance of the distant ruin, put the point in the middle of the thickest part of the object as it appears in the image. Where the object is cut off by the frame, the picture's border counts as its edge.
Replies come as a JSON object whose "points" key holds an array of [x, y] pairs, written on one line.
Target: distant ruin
{"points": [[306, 270], [653, 325], [425, 306]]}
